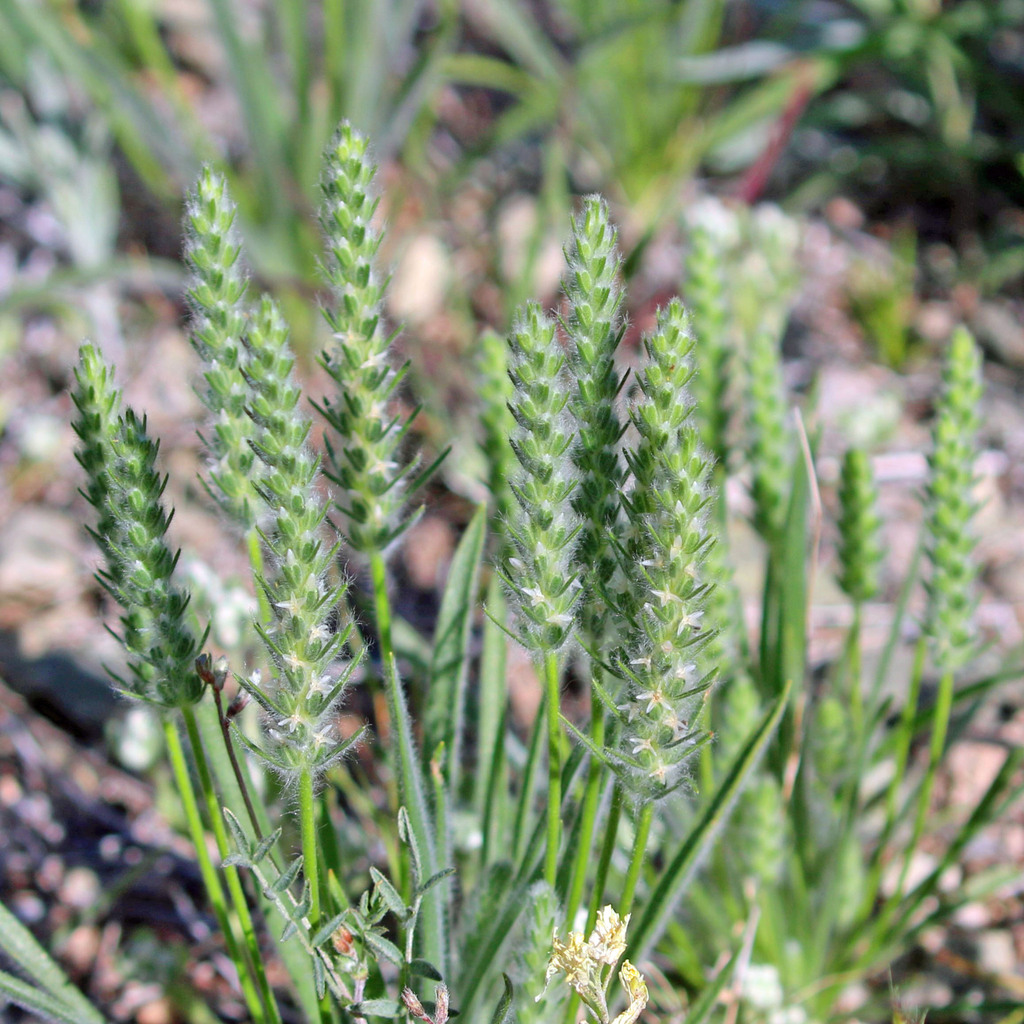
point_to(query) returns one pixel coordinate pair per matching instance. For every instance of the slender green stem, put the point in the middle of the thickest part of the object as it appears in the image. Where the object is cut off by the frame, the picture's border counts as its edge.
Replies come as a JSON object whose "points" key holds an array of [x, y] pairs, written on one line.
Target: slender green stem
{"points": [[236, 768], [643, 831], [940, 726], [310, 861], [211, 880], [235, 890], [382, 606], [554, 829], [591, 800], [611, 832], [529, 785], [855, 668], [904, 735]]}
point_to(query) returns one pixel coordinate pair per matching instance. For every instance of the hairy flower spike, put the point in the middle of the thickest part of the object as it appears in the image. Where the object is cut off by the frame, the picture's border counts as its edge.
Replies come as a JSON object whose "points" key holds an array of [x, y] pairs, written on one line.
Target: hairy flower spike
{"points": [[126, 491], [860, 549], [594, 327], [300, 701], [218, 300], [364, 459], [669, 539], [705, 296], [950, 506], [767, 435], [542, 524]]}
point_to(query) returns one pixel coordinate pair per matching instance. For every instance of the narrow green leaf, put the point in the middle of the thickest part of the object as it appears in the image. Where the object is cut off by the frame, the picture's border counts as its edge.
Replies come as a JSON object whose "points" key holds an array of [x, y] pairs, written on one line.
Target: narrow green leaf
{"points": [[377, 1008], [505, 1014], [289, 930], [324, 932], [704, 1005], [241, 841], [265, 846], [36, 1001], [389, 895], [423, 969], [491, 788], [418, 815], [319, 979], [288, 876], [18, 943], [446, 691], [384, 948], [663, 899], [435, 879]]}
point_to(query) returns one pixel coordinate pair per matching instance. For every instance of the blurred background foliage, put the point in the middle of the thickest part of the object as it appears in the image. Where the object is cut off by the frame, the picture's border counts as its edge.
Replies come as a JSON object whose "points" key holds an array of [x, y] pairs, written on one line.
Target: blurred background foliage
{"points": [[910, 107]]}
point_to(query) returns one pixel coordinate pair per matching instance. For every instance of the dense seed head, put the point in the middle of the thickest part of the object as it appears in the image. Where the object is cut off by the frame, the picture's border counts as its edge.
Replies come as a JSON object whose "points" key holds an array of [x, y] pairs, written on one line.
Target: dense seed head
{"points": [[126, 491], [950, 506], [217, 296], [364, 448], [543, 526], [705, 297], [594, 326], [663, 559], [301, 698], [860, 548], [767, 435]]}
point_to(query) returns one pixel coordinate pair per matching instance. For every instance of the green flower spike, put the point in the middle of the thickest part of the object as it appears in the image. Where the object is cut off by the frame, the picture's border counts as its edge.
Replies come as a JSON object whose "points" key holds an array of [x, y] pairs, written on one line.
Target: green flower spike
{"points": [[126, 491], [364, 457], [300, 700], [950, 506], [668, 543], [860, 548], [542, 523], [705, 297], [594, 328], [217, 297], [767, 433]]}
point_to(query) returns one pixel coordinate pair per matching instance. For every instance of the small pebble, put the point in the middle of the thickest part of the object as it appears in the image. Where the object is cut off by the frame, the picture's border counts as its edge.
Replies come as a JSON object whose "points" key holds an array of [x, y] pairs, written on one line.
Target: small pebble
{"points": [[28, 907], [50, 873], [80, 948], [10, 790], [159, 1011], [80, 889]]}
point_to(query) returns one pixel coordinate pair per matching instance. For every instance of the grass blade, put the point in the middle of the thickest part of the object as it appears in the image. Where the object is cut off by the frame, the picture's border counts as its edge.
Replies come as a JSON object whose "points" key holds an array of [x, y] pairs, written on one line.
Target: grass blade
{"points": [[666, 894], [19, 944], [446, 690]]}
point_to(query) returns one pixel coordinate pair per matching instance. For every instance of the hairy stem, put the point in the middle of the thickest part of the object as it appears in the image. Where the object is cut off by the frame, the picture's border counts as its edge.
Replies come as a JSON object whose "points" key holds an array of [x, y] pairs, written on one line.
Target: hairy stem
{"points": [[235, 889], [591, 800], [211, 880], [310, 862], [554, 826], [643, 830]]}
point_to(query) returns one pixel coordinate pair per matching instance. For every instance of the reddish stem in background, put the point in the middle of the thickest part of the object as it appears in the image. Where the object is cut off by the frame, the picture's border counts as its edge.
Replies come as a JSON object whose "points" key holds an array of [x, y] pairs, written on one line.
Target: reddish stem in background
{"points": [[753, 183]]}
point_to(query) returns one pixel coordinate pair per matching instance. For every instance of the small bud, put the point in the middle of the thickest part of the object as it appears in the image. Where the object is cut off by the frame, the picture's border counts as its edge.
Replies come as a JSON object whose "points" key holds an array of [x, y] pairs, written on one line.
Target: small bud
{"points": [[220, 673], [413, 1005], [343, 943], [441, 1004], [236, 707], [204, 671]]}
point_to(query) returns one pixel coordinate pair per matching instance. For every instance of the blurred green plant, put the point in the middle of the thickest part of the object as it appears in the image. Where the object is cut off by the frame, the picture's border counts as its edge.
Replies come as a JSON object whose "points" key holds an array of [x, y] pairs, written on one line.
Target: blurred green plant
{"points": [[820, 868], [883, 297], [926, 110], [632, 98], [290, 70]]}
